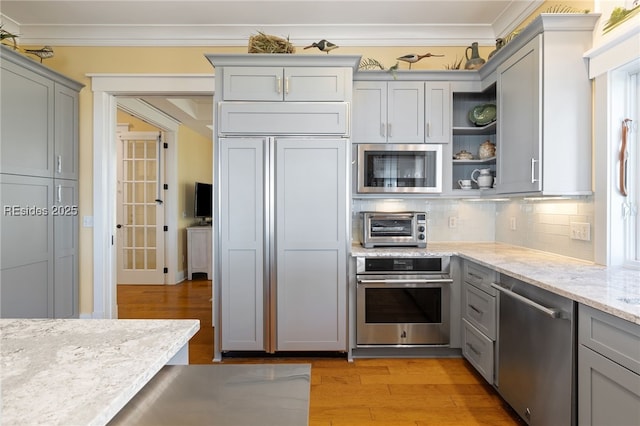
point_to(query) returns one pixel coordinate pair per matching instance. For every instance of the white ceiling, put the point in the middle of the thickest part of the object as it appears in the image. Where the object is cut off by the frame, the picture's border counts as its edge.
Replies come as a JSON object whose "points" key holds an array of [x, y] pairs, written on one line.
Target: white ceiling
{"points": [[232, 22]]}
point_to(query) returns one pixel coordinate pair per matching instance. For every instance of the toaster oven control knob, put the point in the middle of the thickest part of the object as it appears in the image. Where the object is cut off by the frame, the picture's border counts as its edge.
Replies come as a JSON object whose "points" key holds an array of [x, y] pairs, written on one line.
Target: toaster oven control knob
{"points": [[421, 237], [420, 228]]}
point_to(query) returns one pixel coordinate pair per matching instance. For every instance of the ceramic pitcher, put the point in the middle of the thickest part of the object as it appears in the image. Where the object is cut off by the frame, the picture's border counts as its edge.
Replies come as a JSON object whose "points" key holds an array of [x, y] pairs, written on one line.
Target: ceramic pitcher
{"points": [[483, 178], [474, 61]]}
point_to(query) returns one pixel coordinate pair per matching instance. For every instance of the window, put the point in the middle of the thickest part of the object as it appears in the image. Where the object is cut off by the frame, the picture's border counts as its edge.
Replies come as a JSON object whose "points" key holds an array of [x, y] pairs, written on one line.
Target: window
{"points": [[630, 204]]}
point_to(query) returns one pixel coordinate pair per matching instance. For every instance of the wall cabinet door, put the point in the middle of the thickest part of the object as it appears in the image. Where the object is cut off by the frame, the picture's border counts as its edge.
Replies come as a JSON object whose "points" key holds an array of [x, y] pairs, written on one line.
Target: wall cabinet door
{"points": [[65, 237], [388, 112], [27, 262], [519, 121], [242, 243], [369, 112], [311, 188], [285, 84], [26, 114], [66, 133], [437, 112]]}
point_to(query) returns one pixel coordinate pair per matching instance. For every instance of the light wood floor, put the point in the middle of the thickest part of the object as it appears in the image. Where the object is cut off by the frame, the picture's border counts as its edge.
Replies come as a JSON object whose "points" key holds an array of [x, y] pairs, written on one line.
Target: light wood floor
{"points": [[366, 392]]}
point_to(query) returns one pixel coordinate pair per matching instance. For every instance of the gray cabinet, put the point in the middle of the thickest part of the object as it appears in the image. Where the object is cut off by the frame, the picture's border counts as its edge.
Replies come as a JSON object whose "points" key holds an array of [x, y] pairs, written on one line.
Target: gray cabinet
{"points": [[540, 77], [479, 318], [388, 112], [401, 112], [608, 369], [278, 273], [38, 177], [285, 84]]}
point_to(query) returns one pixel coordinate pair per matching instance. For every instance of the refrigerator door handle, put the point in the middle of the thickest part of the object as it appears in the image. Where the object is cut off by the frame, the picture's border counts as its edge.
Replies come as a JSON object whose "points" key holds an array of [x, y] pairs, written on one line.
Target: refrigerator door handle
{"points": [[270, 254]]}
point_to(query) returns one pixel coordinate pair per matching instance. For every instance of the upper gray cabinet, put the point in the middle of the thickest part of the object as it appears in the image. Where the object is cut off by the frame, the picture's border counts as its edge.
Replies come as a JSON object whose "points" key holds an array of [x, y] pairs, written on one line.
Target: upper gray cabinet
{"points": [[544, 108], [401, 112], [39, 115], [285, 84]]}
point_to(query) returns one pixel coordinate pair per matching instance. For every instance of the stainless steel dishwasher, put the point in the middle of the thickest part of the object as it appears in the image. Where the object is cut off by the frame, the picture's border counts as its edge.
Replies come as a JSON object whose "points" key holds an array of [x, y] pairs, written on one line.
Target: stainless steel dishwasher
{"points": [[536, 353]]}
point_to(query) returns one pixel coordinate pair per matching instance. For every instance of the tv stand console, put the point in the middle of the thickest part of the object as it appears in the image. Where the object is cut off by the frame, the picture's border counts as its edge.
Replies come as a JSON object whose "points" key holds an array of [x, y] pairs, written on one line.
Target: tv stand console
{"points": [[199, 250]]}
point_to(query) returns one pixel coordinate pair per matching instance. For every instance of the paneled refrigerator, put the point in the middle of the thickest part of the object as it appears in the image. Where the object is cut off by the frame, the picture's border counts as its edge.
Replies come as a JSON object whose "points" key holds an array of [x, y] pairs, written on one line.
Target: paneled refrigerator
{"points": [[283, 238]]}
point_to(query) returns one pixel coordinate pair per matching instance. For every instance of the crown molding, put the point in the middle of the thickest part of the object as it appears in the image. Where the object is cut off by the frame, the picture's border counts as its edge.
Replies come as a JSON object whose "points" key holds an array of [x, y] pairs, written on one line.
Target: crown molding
{"points": [[238, 35]]}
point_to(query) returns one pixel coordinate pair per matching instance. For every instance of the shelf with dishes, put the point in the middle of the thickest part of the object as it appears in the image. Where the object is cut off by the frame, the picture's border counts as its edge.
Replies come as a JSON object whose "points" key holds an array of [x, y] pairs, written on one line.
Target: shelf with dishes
{"points": [[473, 137]]}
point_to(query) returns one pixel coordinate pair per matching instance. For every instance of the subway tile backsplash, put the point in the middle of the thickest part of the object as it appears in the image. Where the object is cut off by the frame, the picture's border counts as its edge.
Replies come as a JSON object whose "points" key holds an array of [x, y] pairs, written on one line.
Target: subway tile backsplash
{"points": [[541, 225]]}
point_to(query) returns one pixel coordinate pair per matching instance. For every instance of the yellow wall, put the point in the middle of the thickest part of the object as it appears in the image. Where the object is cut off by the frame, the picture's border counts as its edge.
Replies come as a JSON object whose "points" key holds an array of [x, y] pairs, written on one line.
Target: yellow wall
{"points": [[77, 62], [195, 164]]}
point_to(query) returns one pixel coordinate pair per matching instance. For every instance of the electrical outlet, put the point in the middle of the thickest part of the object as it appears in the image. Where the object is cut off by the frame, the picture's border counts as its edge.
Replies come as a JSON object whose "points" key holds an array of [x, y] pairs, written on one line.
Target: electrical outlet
{"points": [[580, 231], [453, 222], [512, 224]]}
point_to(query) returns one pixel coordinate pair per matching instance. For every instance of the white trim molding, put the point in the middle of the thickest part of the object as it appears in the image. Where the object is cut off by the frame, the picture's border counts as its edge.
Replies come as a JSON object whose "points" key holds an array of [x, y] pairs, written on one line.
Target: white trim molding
{"points": [[105, 88]]}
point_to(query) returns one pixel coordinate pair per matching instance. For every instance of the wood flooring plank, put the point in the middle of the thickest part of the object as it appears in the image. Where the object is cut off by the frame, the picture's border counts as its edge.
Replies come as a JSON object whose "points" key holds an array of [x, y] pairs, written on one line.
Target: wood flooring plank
{"points": [[365, 392]]}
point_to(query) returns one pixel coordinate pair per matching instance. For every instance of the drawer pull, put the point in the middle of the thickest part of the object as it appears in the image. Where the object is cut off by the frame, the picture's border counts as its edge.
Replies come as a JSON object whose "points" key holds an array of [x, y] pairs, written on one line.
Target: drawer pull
{"points": [[474, 350], [476, 309]]}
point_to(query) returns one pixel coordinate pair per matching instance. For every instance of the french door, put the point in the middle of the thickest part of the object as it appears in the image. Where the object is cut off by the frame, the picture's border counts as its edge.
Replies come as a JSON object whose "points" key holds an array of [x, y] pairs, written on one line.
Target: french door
{"points": [[140, 208]]}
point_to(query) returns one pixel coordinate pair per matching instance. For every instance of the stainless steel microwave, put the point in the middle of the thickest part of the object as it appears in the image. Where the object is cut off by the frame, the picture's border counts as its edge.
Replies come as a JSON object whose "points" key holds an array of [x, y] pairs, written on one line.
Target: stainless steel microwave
{"points": [[399, 168], [404, 229]]}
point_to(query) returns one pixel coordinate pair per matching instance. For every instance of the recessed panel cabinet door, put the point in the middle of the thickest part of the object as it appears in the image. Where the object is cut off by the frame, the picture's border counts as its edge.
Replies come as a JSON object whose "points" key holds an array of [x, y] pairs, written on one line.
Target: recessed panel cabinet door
{"points": [[519, 121], [27, 247], [65, 235], [26, 114], [242, 243], [311, 241]]}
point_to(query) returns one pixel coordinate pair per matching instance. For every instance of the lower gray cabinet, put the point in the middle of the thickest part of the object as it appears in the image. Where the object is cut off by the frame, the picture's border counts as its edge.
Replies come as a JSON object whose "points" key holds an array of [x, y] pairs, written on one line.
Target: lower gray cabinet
{"points": [[608, 370], [39, 258], [479, 318]]}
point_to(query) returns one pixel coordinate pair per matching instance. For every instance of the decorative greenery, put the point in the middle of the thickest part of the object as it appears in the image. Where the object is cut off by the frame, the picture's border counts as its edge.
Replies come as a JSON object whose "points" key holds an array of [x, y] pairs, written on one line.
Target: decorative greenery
{"points": [[4, 34], [558, 8], [455, 65], [618, 16], [370, 64], [264, 43]]}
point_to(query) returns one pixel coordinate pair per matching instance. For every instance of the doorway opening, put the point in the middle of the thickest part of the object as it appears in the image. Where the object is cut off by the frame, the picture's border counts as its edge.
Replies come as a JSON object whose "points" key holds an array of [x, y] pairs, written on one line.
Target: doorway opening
{"points": [[107, 93]]}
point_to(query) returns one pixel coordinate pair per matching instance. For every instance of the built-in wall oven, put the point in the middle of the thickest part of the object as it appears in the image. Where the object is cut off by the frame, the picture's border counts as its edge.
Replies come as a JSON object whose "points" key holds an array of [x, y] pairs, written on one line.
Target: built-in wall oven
{"points": [[402, 301]]}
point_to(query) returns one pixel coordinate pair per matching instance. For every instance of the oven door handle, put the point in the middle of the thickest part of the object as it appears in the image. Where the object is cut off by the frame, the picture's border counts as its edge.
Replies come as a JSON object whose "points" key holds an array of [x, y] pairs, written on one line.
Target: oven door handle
{"points": [[411, 281]]}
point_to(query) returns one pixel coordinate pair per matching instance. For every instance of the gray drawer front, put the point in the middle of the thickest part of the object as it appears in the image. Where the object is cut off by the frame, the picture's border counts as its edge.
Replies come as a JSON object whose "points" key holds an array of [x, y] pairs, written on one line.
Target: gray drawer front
{"points": [[613, 337], [478, 350], [480, 310], [480, 276]]}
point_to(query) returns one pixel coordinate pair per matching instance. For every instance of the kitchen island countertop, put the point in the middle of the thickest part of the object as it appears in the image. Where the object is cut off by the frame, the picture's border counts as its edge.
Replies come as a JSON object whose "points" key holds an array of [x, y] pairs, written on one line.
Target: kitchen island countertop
{"points": [[81, 372], [614, 290]]}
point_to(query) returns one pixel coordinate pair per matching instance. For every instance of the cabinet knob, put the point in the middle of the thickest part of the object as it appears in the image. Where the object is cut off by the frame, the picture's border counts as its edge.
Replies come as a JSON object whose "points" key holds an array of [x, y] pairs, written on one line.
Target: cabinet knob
{"points": [[118, 226]]}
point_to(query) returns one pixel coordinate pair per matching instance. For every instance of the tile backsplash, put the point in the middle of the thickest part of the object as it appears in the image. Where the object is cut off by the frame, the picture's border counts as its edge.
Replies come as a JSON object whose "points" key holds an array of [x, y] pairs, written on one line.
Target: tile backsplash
{"points": [[541, 225]]}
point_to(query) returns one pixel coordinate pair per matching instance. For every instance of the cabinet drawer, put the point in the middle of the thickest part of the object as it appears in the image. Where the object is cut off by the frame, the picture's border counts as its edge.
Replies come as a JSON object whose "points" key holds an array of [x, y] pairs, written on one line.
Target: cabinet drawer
{"points": [[480, 310], [478, 350], [283, 118], [480, 276], [613, 337]]}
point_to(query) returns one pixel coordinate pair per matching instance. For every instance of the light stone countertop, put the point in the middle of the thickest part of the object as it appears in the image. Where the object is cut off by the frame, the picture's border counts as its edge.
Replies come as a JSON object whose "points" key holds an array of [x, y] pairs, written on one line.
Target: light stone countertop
{"points": [[615, 290], [81, 372]]}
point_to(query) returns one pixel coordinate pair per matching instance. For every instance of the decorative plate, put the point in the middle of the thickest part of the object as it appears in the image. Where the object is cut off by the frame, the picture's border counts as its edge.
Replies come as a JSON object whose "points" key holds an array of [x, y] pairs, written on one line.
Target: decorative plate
{"points": [[482, 115]]}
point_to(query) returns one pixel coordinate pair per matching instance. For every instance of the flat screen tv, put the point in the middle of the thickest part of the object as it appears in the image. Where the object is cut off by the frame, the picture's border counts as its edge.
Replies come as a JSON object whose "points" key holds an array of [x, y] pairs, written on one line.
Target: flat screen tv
{"points": [[202, 201]]}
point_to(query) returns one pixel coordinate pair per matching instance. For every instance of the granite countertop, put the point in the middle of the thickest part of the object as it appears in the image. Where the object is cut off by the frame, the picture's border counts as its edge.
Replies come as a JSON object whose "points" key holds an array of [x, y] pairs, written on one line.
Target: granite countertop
{"points": [[81, 372], [615, 290]]}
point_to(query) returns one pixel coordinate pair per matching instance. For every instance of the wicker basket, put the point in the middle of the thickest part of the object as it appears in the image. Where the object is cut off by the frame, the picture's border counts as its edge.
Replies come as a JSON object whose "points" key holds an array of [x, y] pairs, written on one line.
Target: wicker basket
{"points": [[264, 43]]}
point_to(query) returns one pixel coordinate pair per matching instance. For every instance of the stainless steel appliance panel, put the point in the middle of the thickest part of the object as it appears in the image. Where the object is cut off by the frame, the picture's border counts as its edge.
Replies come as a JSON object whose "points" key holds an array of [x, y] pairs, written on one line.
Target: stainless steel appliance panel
{"points": [[536, 358], [402, 168]]}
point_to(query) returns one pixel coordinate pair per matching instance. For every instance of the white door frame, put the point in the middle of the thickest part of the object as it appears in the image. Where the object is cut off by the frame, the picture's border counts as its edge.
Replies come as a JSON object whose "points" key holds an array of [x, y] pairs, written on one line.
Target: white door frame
{"points": [[105, 88]]}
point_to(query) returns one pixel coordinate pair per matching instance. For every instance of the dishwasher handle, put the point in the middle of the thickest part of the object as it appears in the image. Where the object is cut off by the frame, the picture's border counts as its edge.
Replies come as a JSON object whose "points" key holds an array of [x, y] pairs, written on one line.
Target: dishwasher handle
{"points": [[553, 313]]}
